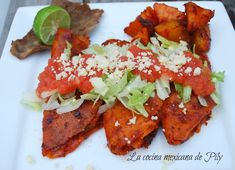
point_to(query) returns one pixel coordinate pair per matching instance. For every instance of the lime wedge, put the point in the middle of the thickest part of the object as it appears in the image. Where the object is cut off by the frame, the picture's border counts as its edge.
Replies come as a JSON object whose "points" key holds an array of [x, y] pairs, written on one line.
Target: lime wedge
{"points": [[48, 20]]}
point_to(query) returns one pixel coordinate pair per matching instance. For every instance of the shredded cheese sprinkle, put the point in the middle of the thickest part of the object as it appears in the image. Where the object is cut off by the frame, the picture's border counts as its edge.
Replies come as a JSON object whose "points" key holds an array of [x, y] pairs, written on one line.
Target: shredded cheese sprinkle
{"points": [[132, 121], [117, 124], [154, 117], [197, 71]]}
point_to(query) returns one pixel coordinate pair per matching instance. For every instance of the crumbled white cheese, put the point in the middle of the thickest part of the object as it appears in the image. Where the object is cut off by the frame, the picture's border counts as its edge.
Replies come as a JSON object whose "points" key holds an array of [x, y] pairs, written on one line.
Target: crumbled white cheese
{"points": [[181, 105], [71, 77], [180, 74], [132, 121], [64, 57], [75, 60], [116, 75], [91, 72], [128, 141], [68, 69], [185, 111], [197, 71], [117, 124], [143, 63], [129, 54], [188, 70], [154, 117], [91, 62], [163, 130], [149, 71], [174, 60], [61, 75], [157, 68], [102, 62]]}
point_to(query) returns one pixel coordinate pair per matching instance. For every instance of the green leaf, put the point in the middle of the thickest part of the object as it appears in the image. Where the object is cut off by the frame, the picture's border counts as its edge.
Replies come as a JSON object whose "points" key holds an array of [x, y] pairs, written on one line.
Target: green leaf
{"points": [[187, 90], [139, 96], [166, 43], [184, 92], [179, 88], [217, 77], [115, 88], [163, 88]]}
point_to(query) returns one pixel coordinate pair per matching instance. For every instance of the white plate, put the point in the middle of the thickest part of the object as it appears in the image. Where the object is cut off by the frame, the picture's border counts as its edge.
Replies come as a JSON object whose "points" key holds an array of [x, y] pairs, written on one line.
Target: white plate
{"points": [[20, 128]]}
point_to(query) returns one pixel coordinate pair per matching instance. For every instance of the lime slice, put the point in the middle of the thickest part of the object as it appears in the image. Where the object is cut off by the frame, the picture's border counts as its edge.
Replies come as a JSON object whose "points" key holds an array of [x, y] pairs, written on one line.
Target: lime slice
{"points": [[48, 20]]}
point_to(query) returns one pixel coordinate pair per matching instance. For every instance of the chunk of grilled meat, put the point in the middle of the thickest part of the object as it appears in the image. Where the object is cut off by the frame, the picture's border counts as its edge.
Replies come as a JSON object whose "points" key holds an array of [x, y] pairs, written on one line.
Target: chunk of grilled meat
{"points": [[83, 21], [29, 44]]}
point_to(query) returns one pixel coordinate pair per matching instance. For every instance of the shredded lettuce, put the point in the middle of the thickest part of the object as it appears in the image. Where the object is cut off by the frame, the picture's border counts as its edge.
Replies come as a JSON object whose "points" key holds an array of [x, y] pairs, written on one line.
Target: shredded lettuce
{"points": [[215, 97], [154, 41], [138, 97], [152, 48], [52, 103], [110, 50], [187, 90], [99, 86], [115, 88], [194, 52], [134, 83], [94, 49], [89, 96], [202, 101], [106, 89], [166, 43], [163, 88], [71, 101], [216, 94], [69, 105], [217, 77], [67, 50], [31, 101], [139, 44], [124, 101], [135, 94], [33, 105], [103, 108], [184, 92], [179, 88], [205, 63]]}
